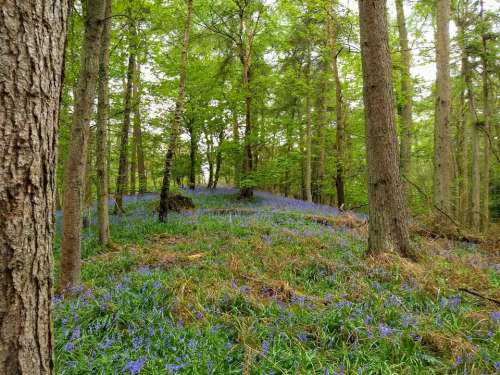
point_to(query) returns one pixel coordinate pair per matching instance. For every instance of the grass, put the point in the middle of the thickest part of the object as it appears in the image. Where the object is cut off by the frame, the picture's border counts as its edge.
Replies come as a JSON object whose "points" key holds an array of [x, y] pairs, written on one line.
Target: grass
{"points": [[268, 291]]}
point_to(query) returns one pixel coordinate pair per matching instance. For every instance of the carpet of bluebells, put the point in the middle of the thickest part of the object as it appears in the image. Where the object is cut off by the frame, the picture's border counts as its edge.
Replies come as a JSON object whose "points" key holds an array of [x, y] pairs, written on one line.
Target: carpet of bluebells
{"points": [[263, 292]]}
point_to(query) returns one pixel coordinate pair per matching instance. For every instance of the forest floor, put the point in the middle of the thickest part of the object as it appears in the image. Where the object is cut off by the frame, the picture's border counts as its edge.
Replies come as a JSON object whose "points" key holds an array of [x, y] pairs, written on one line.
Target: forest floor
{"points": [[272, 286]]}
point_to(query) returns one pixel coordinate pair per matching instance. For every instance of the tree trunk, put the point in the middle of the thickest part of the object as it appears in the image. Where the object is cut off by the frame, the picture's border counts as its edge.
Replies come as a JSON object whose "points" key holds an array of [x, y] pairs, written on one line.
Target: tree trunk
{"points": [[308, 145], [463, 134], [32, 40], [193, 145], [246, 191], [121, 180], [406, 94], [218, 159], [77, 153], [388, 227], [133, 165], [210, 146], [485, 207], [237, 153], [442, 154], [340, 131], [102, 131], [141, 169], [163, 209]]}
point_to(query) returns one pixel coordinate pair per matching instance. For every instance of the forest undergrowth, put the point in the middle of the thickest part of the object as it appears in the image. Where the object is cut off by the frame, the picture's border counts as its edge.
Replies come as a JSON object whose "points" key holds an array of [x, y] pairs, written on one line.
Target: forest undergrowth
{"points": [[265, 287]]}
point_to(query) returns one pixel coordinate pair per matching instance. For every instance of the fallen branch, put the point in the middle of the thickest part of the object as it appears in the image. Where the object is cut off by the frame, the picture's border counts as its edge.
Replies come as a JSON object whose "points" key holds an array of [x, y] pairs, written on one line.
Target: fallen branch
{"points": [[479, 295]]}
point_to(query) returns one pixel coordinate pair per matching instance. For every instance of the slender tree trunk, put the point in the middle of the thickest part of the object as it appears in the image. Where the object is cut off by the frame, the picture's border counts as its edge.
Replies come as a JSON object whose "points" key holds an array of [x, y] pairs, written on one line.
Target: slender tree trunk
{"points": [[102, 131], [77, 153], [32, 40], [485, 207], [218, 159], [87, 195], [308, 141], [121, 180], [388, 226], [463, 134], [193, 146], [340, 130], [163, 209], [406, 93], [210, 161], [237, 153], [133, 165], [320, 154], [442, 154], [246, 191], [141, 169]]}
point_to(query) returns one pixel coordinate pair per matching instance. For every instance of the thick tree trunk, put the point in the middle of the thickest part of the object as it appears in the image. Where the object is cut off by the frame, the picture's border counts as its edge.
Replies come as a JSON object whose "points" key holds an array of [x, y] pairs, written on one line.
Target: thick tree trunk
{"points": [[141, 169], [163, 209], [320, 135], [406, 96], [32, 40], [388, 227], [102, 131], [121, 180], [77, 153], [442, 154]]}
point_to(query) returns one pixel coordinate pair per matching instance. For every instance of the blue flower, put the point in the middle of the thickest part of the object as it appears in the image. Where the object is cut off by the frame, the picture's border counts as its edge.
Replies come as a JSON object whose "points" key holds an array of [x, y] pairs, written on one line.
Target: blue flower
{"points": [[495, 316], [302, 337], [134, 367], [69, 347], [265, 347], [384, 330]]}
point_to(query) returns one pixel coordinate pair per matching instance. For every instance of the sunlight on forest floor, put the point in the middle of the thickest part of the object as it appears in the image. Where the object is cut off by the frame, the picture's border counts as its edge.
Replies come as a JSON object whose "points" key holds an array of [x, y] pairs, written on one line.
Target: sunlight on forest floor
{"points": [[260, 288]]}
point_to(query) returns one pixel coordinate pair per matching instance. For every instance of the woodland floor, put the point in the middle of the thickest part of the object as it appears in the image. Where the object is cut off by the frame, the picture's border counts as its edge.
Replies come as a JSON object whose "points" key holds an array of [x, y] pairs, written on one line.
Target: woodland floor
{"points": [[272, 286]]}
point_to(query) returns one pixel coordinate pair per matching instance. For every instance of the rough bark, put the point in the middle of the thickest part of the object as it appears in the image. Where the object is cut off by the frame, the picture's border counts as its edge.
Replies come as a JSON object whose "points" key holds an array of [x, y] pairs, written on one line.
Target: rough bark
{"points": [[406, 95], [442, 154], [165, 189], [121, 180], [102, 130], [388, 227], [74, 179], [32, 40]]}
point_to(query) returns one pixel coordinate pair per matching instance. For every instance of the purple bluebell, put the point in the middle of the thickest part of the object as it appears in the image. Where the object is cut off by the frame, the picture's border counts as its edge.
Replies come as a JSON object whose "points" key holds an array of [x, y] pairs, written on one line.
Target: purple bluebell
{"points": [[134, 367]]}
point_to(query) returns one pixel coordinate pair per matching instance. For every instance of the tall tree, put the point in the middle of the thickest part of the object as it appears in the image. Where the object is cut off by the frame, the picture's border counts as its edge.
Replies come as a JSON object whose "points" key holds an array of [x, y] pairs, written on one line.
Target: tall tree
{"points": [[74, 180], [339, 113], [32, 40], [121, 179], [308, 135], [442, 154], [167, 172], [137, 124], [485, 207], [388, 227], [102, 130], [405, 108]]}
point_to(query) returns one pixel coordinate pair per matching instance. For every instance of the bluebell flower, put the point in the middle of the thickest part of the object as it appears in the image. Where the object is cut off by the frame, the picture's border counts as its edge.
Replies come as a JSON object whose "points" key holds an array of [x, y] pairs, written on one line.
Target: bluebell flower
{"points": [[69, 347], [134, 367], [265, 347], [302, 337], [384, 330], [76, 334], [495, 316]]}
